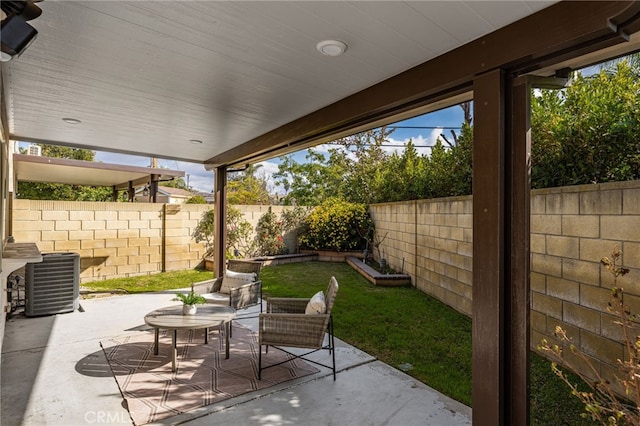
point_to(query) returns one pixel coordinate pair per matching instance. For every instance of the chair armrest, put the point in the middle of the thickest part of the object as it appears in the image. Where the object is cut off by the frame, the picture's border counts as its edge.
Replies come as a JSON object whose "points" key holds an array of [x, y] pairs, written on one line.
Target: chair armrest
{"points": [[286, 305], [246, 295], [296, 330], [208, 286]]}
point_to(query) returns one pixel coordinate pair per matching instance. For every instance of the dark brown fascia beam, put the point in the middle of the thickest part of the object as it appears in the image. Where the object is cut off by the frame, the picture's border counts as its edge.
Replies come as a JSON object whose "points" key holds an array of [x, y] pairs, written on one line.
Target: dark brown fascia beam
{"points": [[563, 30]]}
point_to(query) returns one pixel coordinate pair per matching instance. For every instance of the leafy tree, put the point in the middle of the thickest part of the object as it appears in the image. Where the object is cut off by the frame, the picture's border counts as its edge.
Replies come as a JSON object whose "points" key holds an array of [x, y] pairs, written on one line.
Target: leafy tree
{"points": [[238, 233], [175, 183], [308, 183], [588, 132], [248, 188], [348, 173], [240, 242], [54, 151], [196, 199], [402, 177], [363, 160]]}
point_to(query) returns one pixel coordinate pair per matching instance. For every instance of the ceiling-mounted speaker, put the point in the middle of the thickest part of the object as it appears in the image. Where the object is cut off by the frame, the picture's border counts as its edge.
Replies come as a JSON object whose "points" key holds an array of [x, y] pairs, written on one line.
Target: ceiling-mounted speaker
{"points": [[16, 36]]}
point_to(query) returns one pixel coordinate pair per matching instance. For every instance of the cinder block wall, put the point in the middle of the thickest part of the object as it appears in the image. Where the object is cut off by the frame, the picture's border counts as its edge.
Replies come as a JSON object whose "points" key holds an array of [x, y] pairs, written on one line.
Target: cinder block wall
{"points": [[572, 228], [434, 240], [120, 239], [113, 239]]}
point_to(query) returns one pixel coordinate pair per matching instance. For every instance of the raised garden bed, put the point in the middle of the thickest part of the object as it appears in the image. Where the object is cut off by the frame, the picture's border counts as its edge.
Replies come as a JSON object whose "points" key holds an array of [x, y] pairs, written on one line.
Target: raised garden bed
{"points": [[286, 258], [377, 278], [332, 256], [272, 260]]}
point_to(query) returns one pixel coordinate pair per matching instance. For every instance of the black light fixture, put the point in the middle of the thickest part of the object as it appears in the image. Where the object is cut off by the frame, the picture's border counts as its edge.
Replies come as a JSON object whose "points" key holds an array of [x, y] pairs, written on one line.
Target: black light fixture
{"points": [[16, 35]]}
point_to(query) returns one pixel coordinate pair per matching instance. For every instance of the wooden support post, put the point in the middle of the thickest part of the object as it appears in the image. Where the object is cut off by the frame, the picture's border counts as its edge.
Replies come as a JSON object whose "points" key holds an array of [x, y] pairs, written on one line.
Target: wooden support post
{"points": [[518, 197], [220, 234], [153, 188], [501, 193], [131, 192]]}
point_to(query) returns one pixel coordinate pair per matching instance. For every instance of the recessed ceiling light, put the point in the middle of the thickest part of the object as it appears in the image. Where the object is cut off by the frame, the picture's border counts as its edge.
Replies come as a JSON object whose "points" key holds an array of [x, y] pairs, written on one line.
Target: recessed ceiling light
{"points": [[331, 47], [195, 141], [71, 120]]}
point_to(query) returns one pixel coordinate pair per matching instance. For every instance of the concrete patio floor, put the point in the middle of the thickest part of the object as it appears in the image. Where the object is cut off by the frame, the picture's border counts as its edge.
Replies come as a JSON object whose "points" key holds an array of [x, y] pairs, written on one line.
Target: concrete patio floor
{"points": [[54, 372]]}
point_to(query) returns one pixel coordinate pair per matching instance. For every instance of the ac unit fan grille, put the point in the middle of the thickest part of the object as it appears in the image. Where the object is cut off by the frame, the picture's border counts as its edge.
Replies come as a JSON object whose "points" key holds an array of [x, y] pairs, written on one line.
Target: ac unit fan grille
{"points": [[53, 286]]}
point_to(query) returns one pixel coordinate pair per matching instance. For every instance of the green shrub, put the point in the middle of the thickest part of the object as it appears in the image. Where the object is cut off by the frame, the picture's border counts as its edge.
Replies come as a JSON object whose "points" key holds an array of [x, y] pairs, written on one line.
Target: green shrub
{"points": [[269, 235], [334, 225], [239, 243], [196, 199]]}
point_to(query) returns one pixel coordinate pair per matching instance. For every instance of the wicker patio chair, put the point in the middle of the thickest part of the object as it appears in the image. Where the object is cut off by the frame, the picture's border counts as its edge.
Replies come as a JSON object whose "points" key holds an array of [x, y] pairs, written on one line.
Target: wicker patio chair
{"points": [[285, 324], [240, 297]]}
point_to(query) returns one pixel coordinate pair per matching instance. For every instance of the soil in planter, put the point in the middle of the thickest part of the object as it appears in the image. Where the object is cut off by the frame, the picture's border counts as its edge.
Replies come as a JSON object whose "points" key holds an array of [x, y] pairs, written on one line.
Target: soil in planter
{"points": [[375, 265]]}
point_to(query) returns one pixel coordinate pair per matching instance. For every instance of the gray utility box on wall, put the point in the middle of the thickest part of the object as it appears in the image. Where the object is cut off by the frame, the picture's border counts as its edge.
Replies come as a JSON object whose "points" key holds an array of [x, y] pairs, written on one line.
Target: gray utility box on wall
{"points": [[53, 285]]}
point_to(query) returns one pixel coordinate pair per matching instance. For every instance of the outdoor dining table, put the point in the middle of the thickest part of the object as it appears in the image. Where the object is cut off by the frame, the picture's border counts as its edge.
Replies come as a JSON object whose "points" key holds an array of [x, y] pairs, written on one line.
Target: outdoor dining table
{"points": [[207, 317]]}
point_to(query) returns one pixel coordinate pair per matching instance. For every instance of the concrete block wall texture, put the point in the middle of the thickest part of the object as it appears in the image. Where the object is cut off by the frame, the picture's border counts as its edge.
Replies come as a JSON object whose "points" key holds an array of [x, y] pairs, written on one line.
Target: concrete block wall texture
{"points": [[117, 240], [572, 228], [113, 239], [431, 240]]}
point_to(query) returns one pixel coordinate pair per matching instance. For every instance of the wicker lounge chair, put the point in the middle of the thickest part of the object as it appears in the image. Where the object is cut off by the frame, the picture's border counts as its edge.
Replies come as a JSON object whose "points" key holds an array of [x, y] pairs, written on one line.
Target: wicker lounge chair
{"points": [[240, 297], [286, 324]]}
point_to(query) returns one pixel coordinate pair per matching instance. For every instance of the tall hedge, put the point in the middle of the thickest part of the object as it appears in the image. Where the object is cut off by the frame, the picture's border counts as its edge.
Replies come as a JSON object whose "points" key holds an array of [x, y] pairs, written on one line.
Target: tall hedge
{"points": [[336, 225]]}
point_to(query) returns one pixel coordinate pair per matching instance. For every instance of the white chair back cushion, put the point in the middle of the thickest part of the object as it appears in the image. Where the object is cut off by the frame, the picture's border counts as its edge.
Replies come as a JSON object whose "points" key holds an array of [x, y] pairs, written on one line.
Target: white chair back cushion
{"points": [[316, 304], [235, 279]]}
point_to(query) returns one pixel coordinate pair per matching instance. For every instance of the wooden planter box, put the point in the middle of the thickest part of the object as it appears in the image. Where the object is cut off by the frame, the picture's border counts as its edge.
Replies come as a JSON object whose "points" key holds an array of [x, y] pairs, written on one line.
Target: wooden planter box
{"points": [[376, 278]]}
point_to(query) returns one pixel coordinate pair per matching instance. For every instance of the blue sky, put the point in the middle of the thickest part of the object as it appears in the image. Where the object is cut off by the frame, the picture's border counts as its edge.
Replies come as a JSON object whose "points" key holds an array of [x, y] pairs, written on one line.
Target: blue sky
{"points": [[425, 130]]}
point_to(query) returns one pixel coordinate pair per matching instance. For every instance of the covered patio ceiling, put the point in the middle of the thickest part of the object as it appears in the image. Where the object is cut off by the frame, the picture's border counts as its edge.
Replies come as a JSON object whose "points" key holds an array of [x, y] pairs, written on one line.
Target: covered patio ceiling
{"points": [[156, 77]]}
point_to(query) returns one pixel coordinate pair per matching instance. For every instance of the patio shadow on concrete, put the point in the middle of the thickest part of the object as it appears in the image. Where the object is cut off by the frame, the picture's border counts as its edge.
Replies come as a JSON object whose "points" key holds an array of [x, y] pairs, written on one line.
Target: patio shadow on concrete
{"points": [[54, 372]]}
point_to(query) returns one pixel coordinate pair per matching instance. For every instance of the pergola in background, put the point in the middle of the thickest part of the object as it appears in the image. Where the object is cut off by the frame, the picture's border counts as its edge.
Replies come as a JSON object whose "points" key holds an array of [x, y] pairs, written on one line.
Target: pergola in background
{"points": [[118, 177], [245, 104]]}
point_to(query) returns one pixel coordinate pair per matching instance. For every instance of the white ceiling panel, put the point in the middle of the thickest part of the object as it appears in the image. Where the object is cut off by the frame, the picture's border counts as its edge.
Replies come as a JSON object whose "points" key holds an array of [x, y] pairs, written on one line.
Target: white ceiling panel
{"points": [[146, 77]]}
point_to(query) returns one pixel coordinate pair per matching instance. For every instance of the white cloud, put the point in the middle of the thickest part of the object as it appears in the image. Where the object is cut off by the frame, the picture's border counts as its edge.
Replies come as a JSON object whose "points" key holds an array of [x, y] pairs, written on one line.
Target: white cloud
{"points": [[267, 170], [421, 142]]}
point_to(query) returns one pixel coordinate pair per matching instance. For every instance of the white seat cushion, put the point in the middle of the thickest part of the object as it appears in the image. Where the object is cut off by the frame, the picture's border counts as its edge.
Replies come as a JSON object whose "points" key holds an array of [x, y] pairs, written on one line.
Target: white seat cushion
{"points": [[316, 304], [217, 298]]}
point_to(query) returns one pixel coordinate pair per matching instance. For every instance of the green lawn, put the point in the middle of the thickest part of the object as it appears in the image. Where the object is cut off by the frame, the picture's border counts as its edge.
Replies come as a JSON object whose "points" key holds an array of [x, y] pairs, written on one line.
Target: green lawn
{"points": [[401, 326], [156, 282]]}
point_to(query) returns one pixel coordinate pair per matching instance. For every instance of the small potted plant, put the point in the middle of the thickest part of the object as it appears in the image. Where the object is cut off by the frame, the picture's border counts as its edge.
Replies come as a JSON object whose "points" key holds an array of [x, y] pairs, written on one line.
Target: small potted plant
{"points": [[189, 301]]}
